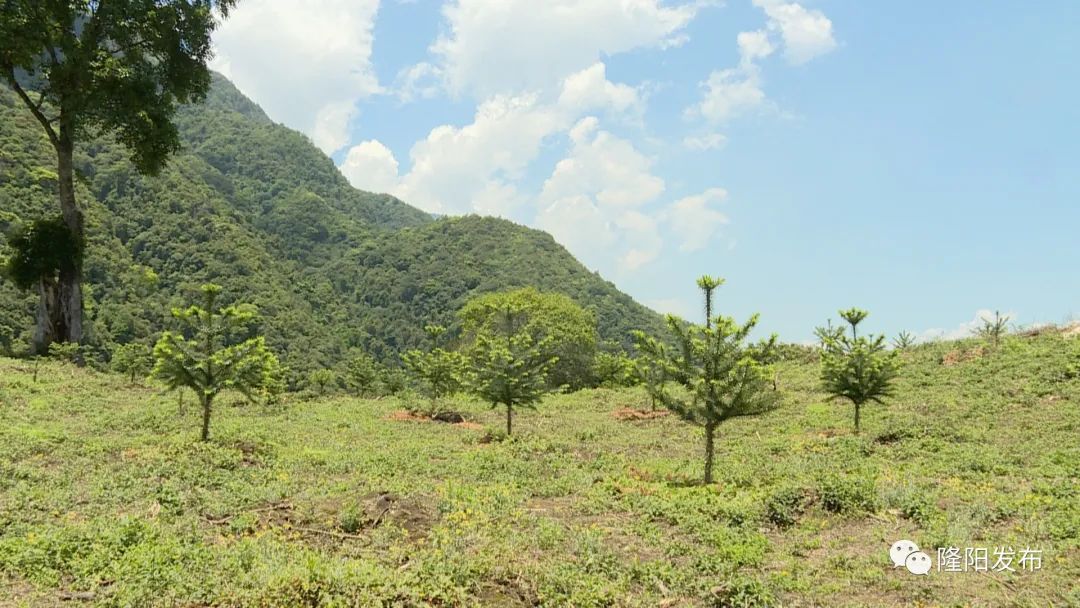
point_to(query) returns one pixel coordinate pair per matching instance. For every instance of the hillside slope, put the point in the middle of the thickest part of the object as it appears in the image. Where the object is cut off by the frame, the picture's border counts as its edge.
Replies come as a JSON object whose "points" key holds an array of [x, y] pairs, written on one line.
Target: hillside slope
{"points": [[256, 207], [105, 490]]}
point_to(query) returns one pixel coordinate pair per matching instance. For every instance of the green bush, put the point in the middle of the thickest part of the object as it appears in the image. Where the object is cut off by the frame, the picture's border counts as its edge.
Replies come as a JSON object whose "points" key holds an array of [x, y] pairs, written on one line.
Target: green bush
{"points": [[848, 494], [784, 506], [741, 591]]}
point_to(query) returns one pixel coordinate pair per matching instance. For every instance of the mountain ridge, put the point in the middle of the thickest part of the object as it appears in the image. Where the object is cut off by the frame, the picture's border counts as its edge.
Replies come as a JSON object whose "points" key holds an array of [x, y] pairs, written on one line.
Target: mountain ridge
{"points": [[256, 207]]}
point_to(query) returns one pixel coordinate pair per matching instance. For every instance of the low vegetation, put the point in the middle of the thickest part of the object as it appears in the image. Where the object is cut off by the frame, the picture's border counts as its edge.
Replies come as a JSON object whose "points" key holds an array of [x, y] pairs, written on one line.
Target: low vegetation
{"points": [[106, 494]]}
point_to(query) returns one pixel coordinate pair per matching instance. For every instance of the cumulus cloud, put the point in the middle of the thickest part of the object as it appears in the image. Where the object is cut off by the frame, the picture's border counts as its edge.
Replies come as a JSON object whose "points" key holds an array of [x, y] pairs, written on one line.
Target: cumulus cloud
{"points": [[806, 33], [589, 204], [608, 167], [419, 81], [753, 46], [694, 219], [728, 94], [510, 46], [963, 330], [306, 62], [372, 164], [590, 89], [474, 168]]}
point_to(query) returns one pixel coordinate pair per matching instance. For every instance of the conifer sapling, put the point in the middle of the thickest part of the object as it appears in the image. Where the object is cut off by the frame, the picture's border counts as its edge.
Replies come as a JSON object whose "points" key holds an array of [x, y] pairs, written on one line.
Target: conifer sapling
{"points": [[857, 368], [509, 370], [208, 362], [723, 377]]}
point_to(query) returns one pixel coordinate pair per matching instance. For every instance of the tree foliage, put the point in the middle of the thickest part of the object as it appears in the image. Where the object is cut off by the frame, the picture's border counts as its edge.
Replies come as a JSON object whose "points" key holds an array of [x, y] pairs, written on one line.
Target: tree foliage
{"points": [[509, 370], [215, 353], [439, 371], [84, 68], [721, 376], [993, 329], [857, 368], [553, 320], [135, 359], [383, 270], [38, 250]]}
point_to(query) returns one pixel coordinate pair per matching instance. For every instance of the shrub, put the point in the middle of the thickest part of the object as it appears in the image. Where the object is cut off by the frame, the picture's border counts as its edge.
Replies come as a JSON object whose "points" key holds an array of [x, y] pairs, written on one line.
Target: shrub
{"points": [[784, 506], [741, 591], [850, 494]]}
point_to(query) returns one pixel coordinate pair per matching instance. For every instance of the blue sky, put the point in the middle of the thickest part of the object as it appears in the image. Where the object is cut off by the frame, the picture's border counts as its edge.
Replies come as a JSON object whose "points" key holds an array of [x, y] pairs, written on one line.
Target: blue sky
{"points": [[917, 159]]}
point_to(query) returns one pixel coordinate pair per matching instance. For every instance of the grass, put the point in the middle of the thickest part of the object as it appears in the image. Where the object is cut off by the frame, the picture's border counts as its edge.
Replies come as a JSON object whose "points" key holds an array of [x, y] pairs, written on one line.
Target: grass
{"points": [[106, 496]]}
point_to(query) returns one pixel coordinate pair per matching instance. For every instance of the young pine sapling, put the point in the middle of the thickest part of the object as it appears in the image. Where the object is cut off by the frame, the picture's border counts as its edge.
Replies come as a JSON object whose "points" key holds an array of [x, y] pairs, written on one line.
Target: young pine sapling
{"points": [[993, 329], [361, 373], [509, 370], [134, 359], [208, 362], [904, 340], [723, 377], [438, 370], [651, 365], [857, 368]]}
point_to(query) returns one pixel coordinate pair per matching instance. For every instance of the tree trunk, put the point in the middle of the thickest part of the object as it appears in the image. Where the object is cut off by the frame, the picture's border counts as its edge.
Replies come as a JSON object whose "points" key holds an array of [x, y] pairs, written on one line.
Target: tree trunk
{"points": [[69, 297], [206, 403], [709, 431], [856, 418], [48, 321], [509, 419]]}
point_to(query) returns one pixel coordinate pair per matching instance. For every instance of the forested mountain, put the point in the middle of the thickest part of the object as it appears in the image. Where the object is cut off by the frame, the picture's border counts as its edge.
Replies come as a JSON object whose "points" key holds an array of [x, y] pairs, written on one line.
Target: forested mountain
{"points": [[255, 207]]}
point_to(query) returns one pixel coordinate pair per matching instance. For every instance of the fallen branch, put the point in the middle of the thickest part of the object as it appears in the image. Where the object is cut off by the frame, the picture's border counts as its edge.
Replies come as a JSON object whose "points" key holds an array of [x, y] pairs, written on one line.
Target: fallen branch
{"points": [[280, 506], [340, 535], [82, 596]]}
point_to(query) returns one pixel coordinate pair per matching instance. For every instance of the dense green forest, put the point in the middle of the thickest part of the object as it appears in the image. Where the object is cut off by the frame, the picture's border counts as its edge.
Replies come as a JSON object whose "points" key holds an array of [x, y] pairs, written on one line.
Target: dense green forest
{"points": [[255, 207]]}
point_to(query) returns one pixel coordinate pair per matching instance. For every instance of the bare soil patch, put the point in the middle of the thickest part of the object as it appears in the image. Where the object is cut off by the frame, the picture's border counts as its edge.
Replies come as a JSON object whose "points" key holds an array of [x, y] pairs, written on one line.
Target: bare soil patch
{"points": [[958, 356], [627, 413]]}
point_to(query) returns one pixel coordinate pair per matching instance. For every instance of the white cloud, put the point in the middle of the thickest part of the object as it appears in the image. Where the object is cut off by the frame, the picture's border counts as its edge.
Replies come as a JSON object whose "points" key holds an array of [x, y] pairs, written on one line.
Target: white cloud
{"points": [[706, 141], [733, 92], [695, 221], [508, 46], [728, 94], [591, 202], [963, 330], [305, 62], [474, 168], [419, 81], [608, 168], [590, 89], [371, 166], [806, 33], [754, 45]]}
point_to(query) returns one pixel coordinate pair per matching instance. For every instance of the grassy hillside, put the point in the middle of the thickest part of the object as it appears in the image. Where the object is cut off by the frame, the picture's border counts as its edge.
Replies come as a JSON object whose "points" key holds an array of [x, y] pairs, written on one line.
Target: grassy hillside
{"points": [[106, 496], [255, 207]]}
